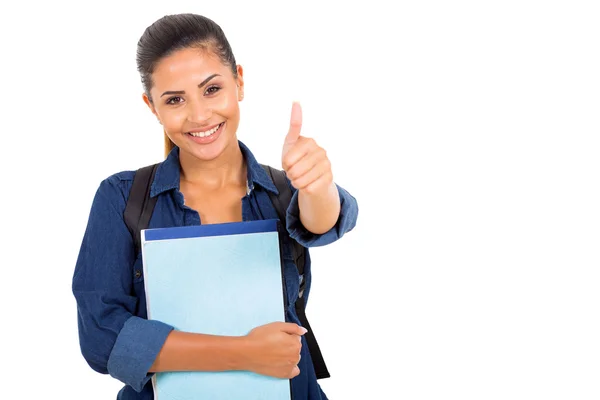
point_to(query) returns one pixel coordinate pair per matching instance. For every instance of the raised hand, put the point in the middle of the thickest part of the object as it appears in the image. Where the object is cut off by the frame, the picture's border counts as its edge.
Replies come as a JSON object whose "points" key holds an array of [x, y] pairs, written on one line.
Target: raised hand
{"points": [[304, 161]]}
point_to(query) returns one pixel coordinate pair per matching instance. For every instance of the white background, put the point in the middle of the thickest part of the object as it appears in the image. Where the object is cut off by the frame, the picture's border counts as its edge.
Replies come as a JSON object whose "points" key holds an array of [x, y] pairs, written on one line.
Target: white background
{"points": [[467, 130]]}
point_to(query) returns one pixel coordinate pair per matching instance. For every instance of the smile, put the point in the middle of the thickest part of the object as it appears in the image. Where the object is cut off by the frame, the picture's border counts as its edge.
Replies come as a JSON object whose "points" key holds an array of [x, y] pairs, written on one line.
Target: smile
{"points": [[206, 133]]}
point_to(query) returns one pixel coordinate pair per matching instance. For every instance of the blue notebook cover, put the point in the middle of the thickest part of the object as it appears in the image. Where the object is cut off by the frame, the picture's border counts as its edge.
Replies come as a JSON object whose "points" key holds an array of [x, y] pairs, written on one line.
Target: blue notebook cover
{"points": [[221, 279]]}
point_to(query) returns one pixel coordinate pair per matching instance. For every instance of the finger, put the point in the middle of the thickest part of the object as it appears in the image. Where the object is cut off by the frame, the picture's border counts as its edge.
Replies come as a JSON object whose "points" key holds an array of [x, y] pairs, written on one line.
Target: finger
{"points": [[305, 164], [292, 329], [319, 184], [295, 371], [295, 124], [320, 172], [302, 147]]}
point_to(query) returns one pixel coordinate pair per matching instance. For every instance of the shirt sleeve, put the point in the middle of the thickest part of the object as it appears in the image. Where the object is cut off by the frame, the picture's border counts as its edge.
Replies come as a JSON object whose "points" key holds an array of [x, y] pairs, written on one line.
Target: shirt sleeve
{"points": [[112, 339], [345, 223]]}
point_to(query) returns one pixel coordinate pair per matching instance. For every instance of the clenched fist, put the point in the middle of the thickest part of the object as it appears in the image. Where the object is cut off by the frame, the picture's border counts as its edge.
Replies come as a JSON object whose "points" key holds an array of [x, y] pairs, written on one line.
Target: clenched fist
{"points": [[274, 349]]}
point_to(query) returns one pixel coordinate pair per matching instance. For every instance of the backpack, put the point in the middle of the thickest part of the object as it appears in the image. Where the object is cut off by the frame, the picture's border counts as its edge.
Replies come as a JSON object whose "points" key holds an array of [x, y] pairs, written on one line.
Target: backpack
{"points": [[138, 212]]}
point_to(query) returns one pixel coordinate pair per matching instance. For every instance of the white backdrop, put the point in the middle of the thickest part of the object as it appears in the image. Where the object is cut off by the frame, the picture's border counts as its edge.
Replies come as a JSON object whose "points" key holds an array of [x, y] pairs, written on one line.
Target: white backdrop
{"points": [[468, 132]]}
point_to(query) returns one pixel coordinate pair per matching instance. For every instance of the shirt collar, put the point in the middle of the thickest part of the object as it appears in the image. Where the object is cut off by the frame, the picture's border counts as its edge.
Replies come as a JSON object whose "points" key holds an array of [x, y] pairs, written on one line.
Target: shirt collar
{"points": [[168, 173]]}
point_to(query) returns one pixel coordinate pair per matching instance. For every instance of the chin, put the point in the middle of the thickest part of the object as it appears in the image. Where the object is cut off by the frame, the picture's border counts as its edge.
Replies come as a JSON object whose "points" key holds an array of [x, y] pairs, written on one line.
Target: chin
{"points": [[210, 151]]}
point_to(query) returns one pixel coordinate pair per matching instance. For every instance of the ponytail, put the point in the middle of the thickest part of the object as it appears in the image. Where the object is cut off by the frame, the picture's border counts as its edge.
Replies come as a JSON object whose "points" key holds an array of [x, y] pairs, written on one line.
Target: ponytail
{"points": [[168, 145]]}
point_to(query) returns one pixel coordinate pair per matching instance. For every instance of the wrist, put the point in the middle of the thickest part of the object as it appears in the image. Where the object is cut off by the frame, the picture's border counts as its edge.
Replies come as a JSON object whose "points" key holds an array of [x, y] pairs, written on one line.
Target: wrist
{"points": [[240, 347], [326, 192]]}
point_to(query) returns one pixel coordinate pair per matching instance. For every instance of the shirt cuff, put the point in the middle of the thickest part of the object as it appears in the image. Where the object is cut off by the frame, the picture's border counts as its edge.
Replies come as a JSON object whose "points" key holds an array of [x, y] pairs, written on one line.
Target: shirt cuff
{"points": [[135, 350], [345, 223]]}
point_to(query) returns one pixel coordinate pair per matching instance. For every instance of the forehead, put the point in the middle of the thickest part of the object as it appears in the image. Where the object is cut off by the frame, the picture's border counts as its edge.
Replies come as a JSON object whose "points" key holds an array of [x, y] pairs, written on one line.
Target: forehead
{"points": [[186, 66]]}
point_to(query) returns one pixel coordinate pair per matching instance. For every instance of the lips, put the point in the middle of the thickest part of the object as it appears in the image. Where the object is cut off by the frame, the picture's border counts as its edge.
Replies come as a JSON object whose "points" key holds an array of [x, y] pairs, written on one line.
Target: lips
{"points": [[206, 133]]}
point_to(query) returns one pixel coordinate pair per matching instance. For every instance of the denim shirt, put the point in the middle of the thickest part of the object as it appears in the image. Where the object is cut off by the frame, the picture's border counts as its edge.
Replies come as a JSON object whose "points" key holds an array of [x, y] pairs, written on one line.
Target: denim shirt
{"points": [[115, 335]]}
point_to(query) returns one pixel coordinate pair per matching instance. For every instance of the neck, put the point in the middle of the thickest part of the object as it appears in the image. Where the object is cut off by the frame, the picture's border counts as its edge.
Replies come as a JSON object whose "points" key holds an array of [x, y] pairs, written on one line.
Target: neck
{"points": [[227, 169]]}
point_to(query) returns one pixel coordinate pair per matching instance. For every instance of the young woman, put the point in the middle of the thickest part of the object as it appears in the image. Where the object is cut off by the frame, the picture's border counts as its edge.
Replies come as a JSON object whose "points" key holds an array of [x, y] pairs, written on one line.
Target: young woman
{"points": [[193, 86]]}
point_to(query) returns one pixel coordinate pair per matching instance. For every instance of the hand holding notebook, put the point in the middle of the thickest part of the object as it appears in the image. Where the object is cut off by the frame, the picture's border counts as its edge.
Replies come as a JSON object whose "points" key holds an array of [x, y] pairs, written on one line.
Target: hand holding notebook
{"points": [[274, 349]]}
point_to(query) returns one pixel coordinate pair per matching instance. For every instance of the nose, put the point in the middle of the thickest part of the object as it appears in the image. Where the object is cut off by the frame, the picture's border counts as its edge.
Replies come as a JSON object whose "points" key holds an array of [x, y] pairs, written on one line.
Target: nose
{"points": [[198, 112]]}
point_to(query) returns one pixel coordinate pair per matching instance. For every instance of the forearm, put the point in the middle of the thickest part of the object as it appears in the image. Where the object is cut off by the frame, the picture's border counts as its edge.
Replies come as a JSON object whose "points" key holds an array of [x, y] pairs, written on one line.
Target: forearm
{"points": [[320, 209], [184, 351]]}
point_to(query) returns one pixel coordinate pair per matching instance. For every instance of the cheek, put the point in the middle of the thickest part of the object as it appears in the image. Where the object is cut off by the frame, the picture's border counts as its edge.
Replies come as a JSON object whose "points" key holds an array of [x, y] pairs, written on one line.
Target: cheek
{"points": [[172, 120], [227, 105]]}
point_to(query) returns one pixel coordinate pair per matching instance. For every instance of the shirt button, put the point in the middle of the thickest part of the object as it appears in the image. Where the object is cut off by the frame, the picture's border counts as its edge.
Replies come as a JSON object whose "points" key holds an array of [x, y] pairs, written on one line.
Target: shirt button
{"points": [[138, 273]]}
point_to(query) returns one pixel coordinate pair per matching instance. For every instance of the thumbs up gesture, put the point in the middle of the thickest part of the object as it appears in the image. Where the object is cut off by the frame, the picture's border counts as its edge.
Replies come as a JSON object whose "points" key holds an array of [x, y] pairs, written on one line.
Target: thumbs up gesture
{"points": [[305, 163]]}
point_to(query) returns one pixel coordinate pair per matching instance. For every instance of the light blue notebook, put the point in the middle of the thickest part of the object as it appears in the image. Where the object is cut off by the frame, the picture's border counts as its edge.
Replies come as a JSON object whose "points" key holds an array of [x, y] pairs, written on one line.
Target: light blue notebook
{"points": [[222, 279]]}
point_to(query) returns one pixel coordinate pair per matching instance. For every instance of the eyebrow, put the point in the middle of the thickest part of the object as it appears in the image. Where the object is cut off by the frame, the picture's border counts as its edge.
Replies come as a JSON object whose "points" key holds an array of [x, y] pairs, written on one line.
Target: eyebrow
{"points": [[204, 82]]}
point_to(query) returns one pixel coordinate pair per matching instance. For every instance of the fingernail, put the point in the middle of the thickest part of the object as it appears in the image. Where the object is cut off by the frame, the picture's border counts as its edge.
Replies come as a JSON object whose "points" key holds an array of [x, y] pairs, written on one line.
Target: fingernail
{"points": [[304, 329]]}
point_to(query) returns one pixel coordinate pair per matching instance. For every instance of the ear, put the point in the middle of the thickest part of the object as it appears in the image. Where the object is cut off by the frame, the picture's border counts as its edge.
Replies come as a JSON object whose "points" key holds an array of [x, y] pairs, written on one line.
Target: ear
{"points": [[240, 82], [151, 107]]}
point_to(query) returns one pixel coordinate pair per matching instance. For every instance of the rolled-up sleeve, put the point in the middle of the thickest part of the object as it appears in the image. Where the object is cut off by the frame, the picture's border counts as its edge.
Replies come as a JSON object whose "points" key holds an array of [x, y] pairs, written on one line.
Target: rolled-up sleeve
{"points": [[112, 339], [345, 223]]}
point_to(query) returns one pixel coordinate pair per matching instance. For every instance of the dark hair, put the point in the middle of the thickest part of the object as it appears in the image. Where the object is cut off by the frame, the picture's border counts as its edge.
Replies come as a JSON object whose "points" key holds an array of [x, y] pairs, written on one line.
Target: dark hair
{"points": [[176, 32]]}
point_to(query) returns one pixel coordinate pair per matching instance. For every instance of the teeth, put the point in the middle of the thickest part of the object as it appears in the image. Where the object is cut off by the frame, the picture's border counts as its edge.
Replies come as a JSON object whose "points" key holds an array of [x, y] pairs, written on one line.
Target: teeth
{"points": [[206, 133]]}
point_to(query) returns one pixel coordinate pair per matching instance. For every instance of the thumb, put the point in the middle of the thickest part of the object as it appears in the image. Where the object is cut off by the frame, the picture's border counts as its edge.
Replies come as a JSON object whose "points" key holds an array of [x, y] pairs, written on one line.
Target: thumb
{"points": [[292, 329], [295, 124]]}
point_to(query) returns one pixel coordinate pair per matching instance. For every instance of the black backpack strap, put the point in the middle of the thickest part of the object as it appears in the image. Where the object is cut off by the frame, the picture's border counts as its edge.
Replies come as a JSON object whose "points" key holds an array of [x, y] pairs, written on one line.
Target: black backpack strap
{"points": [[140, 205], [281, 204]]}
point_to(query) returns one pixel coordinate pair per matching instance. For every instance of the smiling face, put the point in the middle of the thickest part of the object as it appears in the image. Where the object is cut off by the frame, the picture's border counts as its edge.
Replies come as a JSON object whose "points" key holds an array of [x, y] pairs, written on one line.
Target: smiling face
{"points": [[195, 97]]}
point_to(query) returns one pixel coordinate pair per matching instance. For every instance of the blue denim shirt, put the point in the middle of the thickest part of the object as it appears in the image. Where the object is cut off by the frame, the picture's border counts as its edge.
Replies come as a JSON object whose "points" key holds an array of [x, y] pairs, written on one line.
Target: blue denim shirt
{"points": [[115, 335]]}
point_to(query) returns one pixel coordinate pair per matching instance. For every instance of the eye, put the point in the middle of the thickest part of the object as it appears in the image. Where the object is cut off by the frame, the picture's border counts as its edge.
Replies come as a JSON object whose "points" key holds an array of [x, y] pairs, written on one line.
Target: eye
{"points": [[174, 100], [212, 90]]}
